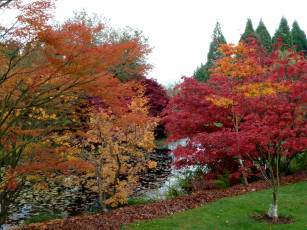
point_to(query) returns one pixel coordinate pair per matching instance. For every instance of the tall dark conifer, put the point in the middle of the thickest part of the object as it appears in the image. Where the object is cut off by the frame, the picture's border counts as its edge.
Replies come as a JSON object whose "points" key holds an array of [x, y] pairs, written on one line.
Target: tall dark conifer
{"points": [[264, 36], [249, 30], [202, 73], [283, 31], [299, 38]]}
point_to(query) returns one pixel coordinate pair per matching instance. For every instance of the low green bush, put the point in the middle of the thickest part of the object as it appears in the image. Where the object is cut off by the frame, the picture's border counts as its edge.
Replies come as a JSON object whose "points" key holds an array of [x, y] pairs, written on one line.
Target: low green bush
{"points": [[299, 163], [42, 216], [223, 181], [175, 190], [139, 200]]}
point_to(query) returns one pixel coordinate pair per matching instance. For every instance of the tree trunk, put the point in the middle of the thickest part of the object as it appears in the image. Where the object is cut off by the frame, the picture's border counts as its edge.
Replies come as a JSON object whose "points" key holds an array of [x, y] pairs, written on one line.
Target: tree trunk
{"points": [[243, 176], [275, 186], [274, 208], [102, 193], [4, 205], [6, 198], [116, 174]]}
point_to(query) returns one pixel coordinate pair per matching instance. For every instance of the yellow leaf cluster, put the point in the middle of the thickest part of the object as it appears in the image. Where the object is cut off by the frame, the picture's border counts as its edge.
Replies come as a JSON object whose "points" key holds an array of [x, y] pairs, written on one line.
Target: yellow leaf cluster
{"points": [[262, 89], [67, 98], [62, 140], [33, 178], [152, 164], [40, 186], [237, 63], [40, 114], [221, 101], [120, 196]]}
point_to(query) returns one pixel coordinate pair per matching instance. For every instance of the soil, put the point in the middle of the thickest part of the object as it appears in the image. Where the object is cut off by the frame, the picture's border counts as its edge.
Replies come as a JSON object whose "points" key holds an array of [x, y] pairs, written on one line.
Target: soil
{"points": [[124, 216], [265, 218]]}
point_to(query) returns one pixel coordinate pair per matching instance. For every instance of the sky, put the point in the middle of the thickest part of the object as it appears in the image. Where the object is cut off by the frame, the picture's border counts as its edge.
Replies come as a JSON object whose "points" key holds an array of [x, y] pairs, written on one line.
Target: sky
{"points": [[180, 30]]}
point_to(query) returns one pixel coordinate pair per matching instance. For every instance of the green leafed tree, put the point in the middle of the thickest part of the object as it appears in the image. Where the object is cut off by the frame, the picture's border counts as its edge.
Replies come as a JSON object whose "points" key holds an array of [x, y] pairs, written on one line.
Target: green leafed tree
{"points": [[202, 72], [264, 36], [299, 38], [283, 31], [249, 30]]}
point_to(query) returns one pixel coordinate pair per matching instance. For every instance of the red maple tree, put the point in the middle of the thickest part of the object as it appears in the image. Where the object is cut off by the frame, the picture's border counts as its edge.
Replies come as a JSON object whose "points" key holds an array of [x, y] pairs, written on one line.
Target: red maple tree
{"points": [[249, 114], [158, 100]]}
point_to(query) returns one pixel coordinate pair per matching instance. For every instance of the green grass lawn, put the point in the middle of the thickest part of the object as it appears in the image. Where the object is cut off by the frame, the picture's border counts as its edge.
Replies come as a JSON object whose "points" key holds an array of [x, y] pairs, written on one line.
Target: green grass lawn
{"points": [[236, 212]]}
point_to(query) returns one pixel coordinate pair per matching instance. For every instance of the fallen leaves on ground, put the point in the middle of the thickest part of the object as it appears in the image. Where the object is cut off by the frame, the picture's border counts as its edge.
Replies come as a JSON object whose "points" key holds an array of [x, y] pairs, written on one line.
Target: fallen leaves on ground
{"points": [[124, 216]]}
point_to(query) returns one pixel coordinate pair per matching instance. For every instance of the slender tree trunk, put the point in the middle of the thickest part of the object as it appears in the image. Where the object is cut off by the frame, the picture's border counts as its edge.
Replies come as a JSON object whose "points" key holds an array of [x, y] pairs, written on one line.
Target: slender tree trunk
{"points": [[117, 174], [274, 184], [102, 194], [243, 176], [274, 206], [273, 212], [240, 160]]}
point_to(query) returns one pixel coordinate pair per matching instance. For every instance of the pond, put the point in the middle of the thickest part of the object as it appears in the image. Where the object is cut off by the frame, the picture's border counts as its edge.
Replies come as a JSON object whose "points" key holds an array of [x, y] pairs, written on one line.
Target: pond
{"points": [[153, 184]]}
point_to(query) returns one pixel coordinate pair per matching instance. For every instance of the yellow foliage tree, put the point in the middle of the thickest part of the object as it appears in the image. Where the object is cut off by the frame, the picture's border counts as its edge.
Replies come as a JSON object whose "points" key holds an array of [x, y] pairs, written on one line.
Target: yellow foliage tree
{"points": [[116, 146]]}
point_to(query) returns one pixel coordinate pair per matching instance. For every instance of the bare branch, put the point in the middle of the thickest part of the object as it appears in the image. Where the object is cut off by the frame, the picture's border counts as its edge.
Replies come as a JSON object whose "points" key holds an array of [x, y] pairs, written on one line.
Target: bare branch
{"points": [[4, 2]]}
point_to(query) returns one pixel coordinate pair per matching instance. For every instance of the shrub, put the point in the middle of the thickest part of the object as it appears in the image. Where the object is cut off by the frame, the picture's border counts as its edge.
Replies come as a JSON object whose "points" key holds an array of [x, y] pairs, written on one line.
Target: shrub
{"points": [[299, 163], [41, 217], [223, 180], [139, 200], [174, 190], [185, 182], [199, 179]]}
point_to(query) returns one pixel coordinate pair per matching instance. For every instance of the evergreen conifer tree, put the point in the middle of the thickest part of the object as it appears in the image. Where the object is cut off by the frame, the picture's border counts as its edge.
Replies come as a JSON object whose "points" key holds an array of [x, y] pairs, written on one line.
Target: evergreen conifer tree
{"points": [[264, 36], [299, 38], [202, 73], [249, 30], [283, 31]]}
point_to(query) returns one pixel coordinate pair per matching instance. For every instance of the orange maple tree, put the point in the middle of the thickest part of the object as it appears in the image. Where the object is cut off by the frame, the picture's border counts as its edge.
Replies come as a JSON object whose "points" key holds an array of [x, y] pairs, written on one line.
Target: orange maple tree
{"points": [[43, 73]]}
